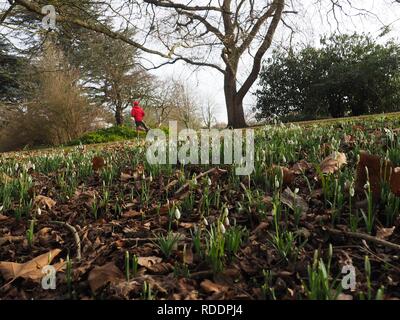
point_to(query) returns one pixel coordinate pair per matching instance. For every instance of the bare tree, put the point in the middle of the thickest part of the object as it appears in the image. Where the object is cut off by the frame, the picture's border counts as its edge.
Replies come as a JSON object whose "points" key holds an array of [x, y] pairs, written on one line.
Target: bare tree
{"points": [[231, 27], [161, 102], [208, 114], [185, 107]]}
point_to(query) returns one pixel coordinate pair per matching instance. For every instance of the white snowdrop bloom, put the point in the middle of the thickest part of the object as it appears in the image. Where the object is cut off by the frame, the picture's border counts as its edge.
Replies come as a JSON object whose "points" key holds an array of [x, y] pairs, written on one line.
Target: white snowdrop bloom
{"points": [[366, 186], [205, 222], [276, 183], [222, 228], [1, 208], [177, 214], [352, 192], [209, 182], [39, 211], [16, 167], [284, 158], [296, 191], [226, 212], [151, 178], [227, 222], [143, 176]]}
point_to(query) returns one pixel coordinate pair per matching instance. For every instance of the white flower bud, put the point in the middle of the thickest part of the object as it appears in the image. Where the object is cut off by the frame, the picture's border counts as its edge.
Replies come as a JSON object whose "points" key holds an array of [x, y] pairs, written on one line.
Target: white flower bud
{"points": [[276, 183], [226, 212], [205, 222], [352, 192], [177, 214], [227, 222], [222, 228]]}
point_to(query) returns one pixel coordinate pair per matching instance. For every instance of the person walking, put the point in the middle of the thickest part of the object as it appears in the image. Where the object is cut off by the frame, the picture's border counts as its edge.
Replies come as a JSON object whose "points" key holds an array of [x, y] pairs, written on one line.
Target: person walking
{"points": [[138, 114]]}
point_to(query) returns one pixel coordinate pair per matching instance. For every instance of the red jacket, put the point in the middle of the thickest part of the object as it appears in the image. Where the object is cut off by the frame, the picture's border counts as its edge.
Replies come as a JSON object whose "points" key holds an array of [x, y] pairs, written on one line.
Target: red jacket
{"points": [[137, 113]]}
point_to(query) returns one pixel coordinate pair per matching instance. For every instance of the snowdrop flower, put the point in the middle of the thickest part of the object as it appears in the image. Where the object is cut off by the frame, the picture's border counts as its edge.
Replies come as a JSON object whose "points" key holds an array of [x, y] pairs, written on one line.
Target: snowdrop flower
{"points": [[143, 176], [151, 178], [209, 182], [226, 212], [205, 222], [296, 191], [352, 192], [177, 214], [227, 222], [276, 183], [1, 208], [39, 211], [16, 167], [284, 158], [222, 228]]}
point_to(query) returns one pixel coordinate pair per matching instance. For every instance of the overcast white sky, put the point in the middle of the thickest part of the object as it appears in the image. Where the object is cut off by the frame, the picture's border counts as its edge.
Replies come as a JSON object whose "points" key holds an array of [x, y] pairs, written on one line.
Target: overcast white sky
{"points": [[311, 23]]}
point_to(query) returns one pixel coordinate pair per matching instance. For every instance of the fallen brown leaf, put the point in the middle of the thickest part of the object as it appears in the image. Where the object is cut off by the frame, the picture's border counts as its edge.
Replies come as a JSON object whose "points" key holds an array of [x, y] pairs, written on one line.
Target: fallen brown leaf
{"points": [[294, 201], [131, 214], [384, 233], [378, 170], [161, 268], [148, 261], [125, 177], [31, 269], [333, 163], [4, 240], [100, 276], [301, 167], [287, 174], [45, 202], [349, 139], [211, 287], [98, 163]]}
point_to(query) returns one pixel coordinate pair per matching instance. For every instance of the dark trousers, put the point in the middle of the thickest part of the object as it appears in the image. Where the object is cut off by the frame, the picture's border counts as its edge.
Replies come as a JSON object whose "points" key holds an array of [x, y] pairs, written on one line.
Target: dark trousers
{"points": [[141, 124]]}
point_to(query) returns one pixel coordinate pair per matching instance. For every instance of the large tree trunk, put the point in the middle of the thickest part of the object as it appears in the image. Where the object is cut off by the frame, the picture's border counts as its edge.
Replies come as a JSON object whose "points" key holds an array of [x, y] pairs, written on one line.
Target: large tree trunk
{"points": [[119, 117], [234, 105], [335, 106]]}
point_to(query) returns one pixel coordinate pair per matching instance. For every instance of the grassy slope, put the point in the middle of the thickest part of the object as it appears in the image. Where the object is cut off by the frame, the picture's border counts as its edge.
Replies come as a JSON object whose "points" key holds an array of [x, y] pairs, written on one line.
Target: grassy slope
{"points": [[300, 123]]}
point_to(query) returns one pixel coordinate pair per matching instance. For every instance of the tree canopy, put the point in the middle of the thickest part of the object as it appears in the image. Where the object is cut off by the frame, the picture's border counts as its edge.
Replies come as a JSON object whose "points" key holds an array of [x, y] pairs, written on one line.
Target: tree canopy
{"points": [[346, 75]]}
